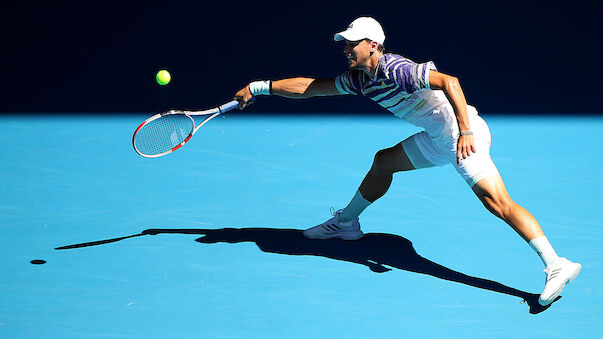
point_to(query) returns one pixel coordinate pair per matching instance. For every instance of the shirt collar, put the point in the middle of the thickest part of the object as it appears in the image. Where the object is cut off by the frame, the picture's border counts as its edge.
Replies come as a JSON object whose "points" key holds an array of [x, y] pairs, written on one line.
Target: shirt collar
{"points": [[381, 66]]}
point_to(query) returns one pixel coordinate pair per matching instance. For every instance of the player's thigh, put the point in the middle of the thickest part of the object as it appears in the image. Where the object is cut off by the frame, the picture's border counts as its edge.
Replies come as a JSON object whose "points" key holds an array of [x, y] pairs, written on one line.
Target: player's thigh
{"points": [[410, 154], [478, 165], [419, 152]]}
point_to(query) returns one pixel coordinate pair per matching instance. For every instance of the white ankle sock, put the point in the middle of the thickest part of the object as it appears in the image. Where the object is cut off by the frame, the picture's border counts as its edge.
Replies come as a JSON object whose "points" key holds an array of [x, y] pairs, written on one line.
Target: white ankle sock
{"points": [[354, 208], [544, 249]]}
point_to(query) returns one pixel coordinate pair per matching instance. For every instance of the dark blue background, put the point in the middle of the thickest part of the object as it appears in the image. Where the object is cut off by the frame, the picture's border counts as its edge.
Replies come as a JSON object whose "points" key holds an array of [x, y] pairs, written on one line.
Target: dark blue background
{"points": [[511, 57]]}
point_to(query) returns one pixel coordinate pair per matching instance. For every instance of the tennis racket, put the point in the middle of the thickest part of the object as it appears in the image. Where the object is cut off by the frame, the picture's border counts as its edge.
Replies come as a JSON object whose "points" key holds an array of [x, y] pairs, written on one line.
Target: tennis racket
{"points": [[163, 133]]}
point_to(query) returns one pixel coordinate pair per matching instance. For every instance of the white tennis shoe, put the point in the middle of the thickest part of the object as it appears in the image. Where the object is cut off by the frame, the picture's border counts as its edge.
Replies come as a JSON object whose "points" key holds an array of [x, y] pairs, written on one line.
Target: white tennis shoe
{"points": [[333, 228], [558, 275]]}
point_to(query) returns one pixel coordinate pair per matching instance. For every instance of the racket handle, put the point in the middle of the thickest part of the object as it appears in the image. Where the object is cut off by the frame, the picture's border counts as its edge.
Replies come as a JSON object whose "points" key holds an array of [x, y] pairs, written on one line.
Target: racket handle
{"points": [[231, 105]]}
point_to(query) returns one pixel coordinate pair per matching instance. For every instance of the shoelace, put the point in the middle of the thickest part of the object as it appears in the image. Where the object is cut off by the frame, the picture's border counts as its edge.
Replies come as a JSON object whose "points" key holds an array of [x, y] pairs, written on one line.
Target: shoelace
{"points": [[332, 227]]}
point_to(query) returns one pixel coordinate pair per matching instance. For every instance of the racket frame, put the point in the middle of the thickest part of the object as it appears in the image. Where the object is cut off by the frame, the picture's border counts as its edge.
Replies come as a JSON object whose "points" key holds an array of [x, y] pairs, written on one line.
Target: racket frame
{"points": [[212, 113]]}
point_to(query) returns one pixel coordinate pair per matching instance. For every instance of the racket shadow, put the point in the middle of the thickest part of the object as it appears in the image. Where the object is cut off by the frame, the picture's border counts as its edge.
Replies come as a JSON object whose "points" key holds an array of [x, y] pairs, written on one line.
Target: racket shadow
{"points": [[376, 251]]}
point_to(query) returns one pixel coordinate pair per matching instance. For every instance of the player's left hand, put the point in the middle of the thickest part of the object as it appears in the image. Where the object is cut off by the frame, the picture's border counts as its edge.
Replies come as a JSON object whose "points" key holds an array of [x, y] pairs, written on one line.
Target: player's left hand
{"points": [[464, 147]]}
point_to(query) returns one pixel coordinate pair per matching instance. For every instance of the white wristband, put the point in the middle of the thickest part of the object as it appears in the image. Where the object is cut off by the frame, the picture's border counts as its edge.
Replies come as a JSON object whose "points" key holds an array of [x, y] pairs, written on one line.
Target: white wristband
{"points": [[261, 87]]}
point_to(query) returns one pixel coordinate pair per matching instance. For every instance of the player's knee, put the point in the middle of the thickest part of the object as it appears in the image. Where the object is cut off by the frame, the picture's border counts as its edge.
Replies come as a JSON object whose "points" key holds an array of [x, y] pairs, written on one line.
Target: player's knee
{"points": [[382, 162]]}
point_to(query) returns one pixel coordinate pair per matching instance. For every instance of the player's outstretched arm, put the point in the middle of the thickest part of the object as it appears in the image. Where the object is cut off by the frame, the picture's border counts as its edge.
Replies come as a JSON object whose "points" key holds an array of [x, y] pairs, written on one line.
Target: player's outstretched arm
{"points": [[295, 88]]}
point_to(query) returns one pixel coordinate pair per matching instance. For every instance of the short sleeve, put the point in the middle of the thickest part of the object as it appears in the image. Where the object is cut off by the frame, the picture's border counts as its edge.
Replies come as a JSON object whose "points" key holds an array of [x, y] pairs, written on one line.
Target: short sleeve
{"points": [[348, 83], [413, 77]]}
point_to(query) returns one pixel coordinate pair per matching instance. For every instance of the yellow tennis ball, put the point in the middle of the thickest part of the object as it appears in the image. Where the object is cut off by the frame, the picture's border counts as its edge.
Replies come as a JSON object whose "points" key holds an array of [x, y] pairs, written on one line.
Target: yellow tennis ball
{"points": [[163, 77]]}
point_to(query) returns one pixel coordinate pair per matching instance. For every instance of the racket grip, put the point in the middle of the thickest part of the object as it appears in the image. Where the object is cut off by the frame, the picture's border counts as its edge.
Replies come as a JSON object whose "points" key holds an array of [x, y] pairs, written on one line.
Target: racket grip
{"points": [[231, 105]]}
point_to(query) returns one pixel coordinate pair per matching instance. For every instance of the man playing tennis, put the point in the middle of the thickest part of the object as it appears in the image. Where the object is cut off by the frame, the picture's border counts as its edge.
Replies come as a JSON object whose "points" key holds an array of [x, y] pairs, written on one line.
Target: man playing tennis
{"points": [[454, 134]]}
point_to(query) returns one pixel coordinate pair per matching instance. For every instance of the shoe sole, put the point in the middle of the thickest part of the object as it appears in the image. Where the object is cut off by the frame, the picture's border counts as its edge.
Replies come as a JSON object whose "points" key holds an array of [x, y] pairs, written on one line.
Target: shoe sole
{"points": [[558, 292], [342, 236]]}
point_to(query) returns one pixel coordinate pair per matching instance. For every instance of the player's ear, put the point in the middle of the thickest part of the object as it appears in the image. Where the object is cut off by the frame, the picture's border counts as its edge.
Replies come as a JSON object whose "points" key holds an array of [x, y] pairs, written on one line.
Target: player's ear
{"points": [[374, 46]]}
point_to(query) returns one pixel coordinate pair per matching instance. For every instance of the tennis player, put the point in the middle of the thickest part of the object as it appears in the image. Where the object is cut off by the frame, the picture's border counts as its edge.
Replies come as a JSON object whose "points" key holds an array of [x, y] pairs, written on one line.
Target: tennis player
{"points": [[453, 133]]}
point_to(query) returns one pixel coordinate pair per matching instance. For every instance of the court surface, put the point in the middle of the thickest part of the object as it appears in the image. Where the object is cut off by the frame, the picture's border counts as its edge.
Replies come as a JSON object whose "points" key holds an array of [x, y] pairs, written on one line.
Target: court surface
{"points": [[223, 255]]}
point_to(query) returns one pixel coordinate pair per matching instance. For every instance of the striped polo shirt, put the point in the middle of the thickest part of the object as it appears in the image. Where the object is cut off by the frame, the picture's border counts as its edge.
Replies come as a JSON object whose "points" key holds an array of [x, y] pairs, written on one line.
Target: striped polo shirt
{"points": [[402, 87]]}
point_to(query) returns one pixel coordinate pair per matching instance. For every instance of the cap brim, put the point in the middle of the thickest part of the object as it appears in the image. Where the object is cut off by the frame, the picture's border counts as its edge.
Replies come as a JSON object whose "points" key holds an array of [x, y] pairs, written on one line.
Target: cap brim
{"points": [[347, 35]]}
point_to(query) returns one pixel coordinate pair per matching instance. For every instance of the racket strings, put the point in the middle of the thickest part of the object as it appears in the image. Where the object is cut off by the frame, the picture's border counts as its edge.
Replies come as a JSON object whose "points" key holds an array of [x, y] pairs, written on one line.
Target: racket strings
{"points": [[163, 134]]}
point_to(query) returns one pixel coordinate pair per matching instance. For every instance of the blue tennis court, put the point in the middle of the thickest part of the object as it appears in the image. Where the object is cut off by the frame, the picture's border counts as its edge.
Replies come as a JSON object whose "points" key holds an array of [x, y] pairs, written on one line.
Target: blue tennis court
{"points": [[221, 253]]}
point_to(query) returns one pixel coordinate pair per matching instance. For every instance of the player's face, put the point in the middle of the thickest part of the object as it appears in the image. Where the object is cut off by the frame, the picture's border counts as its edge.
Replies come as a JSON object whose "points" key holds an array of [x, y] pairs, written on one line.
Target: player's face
{"points": [[358, 53]]}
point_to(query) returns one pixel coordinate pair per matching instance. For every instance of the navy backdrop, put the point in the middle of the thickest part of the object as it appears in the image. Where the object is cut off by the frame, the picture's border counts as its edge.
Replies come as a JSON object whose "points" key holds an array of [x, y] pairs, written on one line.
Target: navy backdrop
{"points": [[102, 57]]}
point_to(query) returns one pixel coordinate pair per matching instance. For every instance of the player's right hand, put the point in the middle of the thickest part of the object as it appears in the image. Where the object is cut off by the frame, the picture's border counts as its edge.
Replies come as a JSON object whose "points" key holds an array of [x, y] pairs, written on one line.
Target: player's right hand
{"points": [[244, 97]]}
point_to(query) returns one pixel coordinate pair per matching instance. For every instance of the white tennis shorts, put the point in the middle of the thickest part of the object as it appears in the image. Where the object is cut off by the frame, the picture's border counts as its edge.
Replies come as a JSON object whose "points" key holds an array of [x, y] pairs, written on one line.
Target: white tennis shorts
{"points": [[424, 151]]}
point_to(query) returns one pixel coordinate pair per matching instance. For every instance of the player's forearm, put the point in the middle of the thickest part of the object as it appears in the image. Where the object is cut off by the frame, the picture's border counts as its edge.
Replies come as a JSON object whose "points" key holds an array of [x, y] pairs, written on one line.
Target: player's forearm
{"points": [[452, 88], [295, 88], [456, 97]]}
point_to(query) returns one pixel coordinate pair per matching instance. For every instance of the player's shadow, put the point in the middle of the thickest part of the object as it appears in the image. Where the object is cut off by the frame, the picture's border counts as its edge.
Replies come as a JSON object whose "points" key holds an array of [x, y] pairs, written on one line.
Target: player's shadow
{"points": [[375, 251]]}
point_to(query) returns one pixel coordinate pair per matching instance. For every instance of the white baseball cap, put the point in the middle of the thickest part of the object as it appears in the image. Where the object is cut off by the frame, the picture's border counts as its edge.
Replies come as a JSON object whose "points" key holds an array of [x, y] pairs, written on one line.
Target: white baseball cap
{"points": [[362, 28]]}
